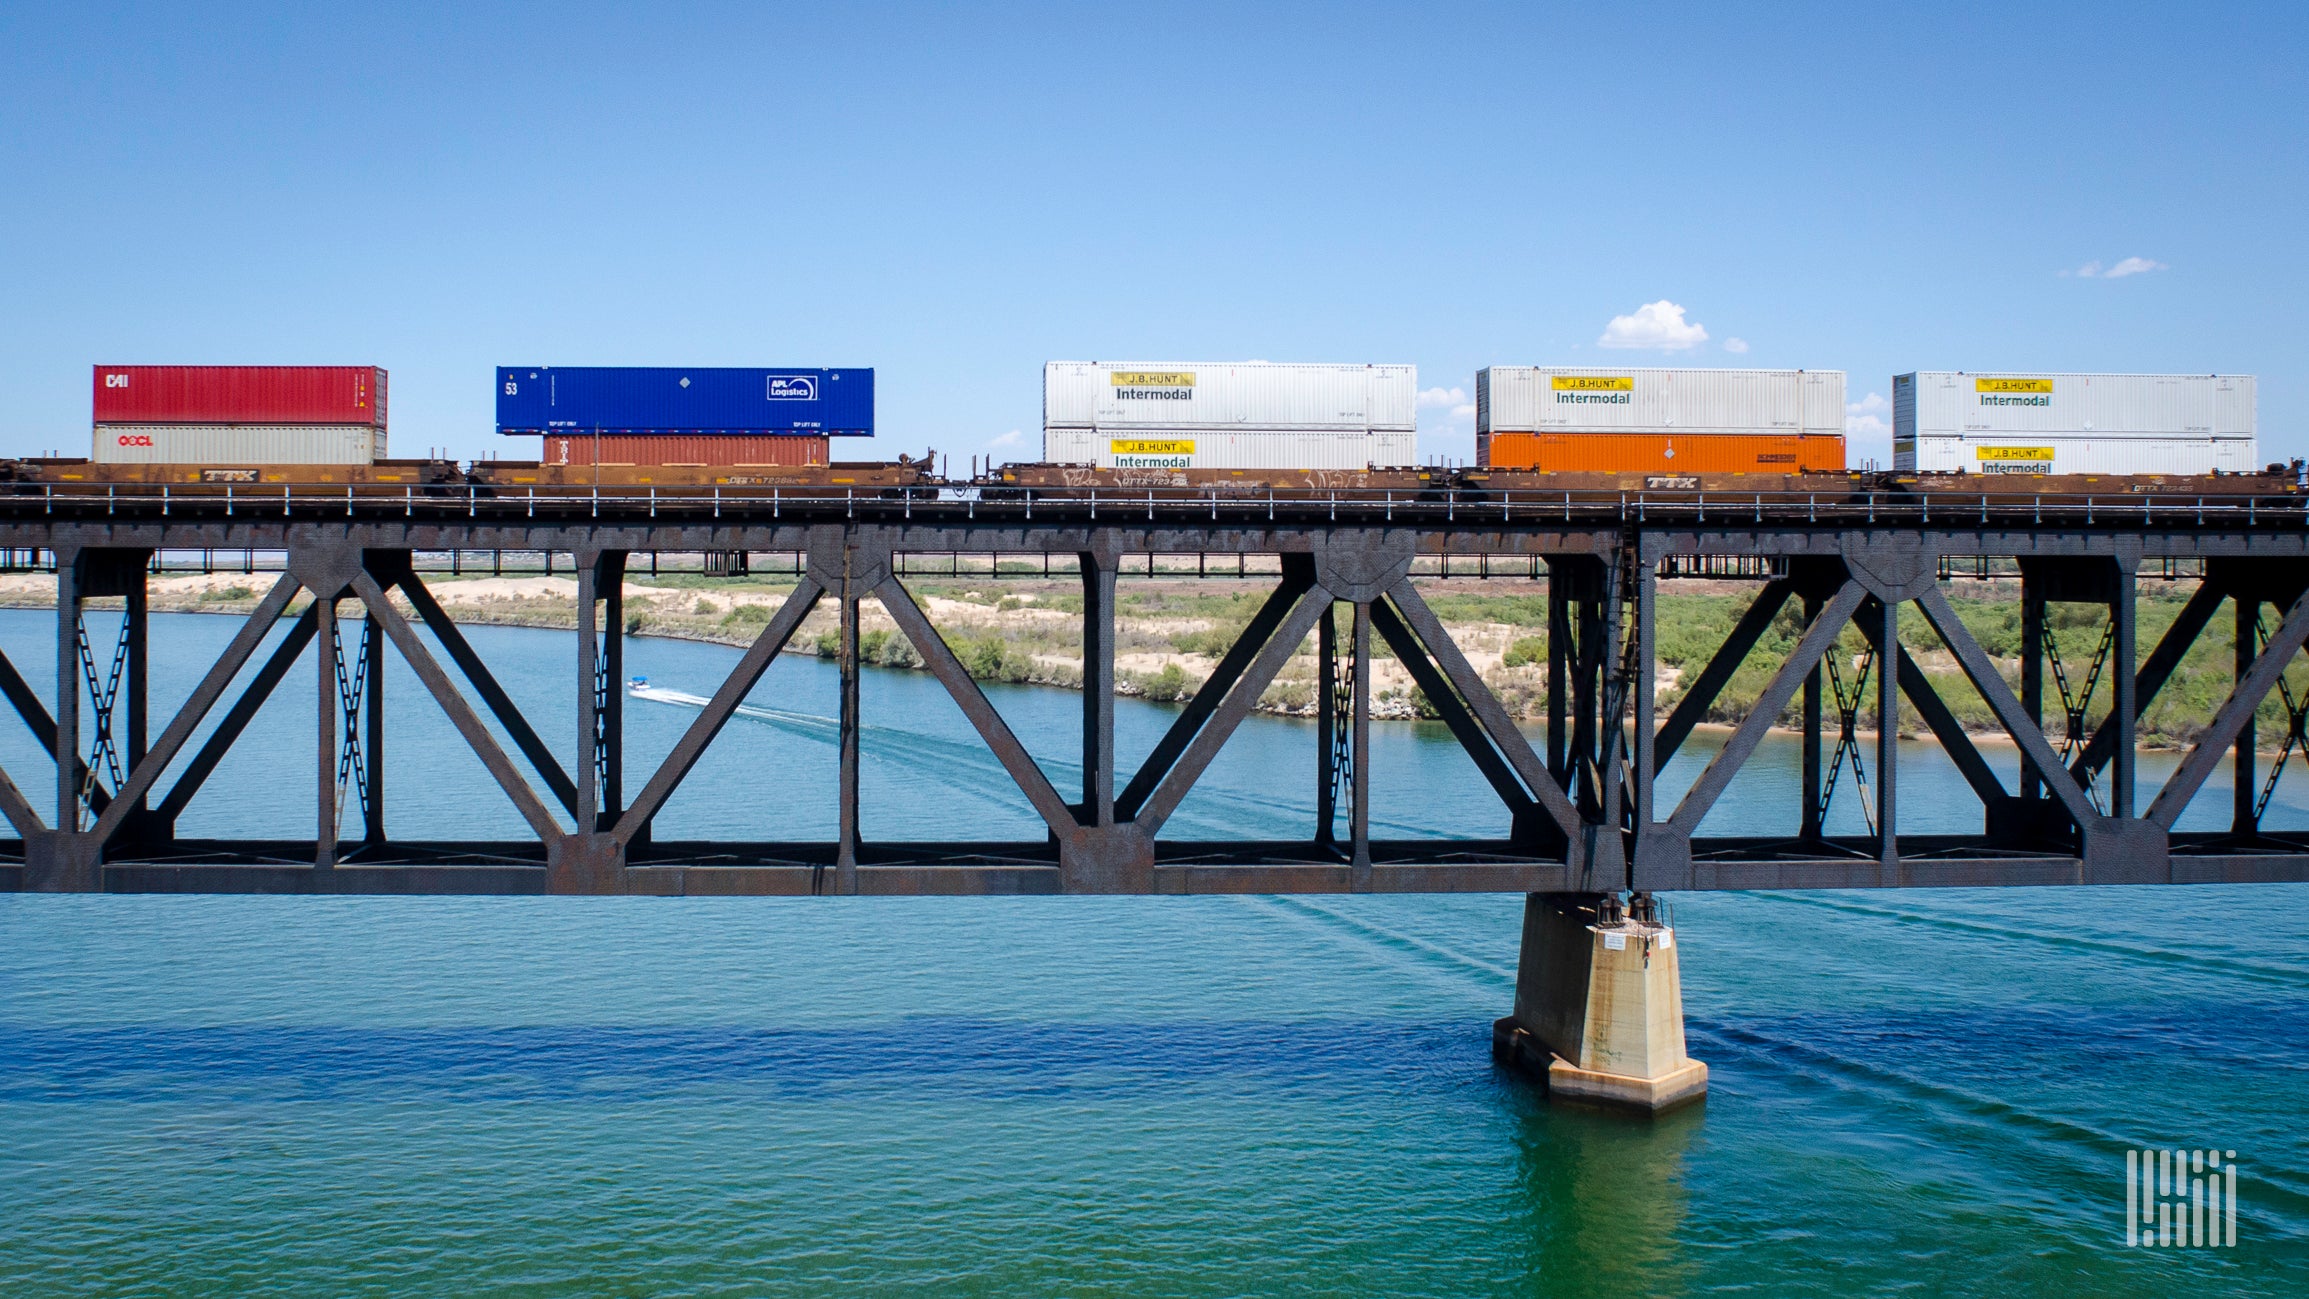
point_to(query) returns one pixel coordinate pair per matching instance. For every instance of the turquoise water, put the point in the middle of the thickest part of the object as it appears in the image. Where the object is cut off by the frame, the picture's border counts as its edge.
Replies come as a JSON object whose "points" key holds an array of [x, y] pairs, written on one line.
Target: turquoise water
{"points": [[1912, 1091]]}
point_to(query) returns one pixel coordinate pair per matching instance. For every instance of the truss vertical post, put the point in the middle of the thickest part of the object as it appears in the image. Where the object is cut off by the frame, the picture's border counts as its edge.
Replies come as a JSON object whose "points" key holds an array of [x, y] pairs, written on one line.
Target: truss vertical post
{"points": [[2031, 677], [329, 702], [139, 673], [373, 769], [1559, 642], [846, 846], [1888, 733], [71, 566], [1098, 578], [609, 586], [1584, 698], [1606, 733], [1646, 725], [2124, 708], [2243, 821], [1811, 830], [1359, 822], [588, 692], [1326, 728]]}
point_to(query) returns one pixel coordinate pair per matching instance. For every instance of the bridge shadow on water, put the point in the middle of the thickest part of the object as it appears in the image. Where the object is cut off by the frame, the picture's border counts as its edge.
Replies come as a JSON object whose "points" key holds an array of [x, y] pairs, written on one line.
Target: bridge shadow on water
{"points": [[1001, 1058]]}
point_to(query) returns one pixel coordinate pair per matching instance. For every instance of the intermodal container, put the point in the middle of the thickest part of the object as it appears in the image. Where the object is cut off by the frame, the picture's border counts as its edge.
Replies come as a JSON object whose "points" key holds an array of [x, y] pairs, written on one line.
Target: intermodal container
{"points": [[239, 444], [1952, 421], [239, 394], [1240, 395], [1662, 453], [1228, 415], [1589, 399], [717, 402], [668, 449], [1202, 448]]}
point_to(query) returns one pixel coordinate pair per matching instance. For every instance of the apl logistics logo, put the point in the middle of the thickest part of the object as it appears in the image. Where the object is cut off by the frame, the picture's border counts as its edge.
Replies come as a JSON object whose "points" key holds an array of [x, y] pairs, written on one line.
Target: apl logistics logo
{"points": [[793, 387]]}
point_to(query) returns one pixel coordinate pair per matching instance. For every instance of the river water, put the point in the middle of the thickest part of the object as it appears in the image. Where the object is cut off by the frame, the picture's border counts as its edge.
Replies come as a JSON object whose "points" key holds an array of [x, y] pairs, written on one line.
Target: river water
{"points": [[1917, 1091]]}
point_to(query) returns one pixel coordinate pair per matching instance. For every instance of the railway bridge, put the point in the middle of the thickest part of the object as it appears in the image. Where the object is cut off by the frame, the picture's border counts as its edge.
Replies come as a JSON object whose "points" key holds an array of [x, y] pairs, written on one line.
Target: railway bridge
{"points": [[1591, 839]]}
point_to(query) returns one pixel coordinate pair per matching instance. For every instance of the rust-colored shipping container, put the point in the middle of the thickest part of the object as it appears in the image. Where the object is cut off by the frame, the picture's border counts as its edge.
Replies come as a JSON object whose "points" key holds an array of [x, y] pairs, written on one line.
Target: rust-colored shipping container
{"points": [[710, 450], [1662, 453], [240, 394]]}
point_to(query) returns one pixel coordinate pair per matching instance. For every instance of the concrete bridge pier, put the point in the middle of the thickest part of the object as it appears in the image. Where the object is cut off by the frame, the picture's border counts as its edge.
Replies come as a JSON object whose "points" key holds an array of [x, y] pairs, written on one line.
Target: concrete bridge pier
{"points": [[1599, 1005]]}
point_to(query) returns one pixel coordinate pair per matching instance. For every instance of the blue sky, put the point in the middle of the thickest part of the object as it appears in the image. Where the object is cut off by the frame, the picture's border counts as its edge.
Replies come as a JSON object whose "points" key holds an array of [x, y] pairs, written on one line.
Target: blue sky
{"points": [[954, 195]]}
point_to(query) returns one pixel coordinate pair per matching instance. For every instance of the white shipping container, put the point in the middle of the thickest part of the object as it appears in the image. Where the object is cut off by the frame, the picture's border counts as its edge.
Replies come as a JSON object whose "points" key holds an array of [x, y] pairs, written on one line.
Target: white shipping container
{"points": [[2081, 423], [238, 444], [1245, 396], [1592, 399], [1196, 448], [2065, 454]]}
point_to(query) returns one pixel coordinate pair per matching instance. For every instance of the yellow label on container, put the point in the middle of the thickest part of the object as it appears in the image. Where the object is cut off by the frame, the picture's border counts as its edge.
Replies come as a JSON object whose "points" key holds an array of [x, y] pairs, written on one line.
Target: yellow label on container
{"points": [[1151, 446], [1152, 378], [2012, 385], [2013, 453], [1593, 382]]}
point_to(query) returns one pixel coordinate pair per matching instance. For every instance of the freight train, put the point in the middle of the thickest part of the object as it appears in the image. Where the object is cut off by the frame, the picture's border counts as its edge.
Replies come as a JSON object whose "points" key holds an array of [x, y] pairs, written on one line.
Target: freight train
{"points": [[1187, 431]]}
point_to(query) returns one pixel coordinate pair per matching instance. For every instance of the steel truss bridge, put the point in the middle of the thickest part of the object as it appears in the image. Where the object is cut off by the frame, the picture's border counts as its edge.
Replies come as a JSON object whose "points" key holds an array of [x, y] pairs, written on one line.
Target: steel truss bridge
{"points": [[1585, 808]]}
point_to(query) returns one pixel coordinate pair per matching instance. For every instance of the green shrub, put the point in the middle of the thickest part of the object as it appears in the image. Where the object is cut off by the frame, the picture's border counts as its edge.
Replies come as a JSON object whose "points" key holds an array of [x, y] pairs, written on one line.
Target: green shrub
{"points": [[1167, 686], [1524, 651]]}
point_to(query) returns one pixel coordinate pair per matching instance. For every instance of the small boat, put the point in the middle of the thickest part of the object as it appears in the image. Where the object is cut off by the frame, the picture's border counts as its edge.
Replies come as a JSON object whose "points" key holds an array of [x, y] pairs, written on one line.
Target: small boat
{"points": [[636, 685]]}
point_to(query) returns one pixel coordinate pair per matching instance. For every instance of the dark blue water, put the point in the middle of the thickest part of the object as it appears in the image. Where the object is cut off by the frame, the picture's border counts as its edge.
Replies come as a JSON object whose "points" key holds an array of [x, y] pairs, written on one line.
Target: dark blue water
{"points": [[1912, 1091]]}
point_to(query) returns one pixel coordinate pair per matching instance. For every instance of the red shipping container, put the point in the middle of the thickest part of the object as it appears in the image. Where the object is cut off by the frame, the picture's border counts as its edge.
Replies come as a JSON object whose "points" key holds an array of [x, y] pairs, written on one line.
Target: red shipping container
{"points": [[712, 450], [240, 394]]}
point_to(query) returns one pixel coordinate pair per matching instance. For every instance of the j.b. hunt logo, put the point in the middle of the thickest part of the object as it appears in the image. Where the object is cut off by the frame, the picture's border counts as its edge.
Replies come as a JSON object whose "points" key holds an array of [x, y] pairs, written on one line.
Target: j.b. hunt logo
{"points": [[793, 387], [2181, 1198], [1153, 385], [1593, 389], [2013, 392]]}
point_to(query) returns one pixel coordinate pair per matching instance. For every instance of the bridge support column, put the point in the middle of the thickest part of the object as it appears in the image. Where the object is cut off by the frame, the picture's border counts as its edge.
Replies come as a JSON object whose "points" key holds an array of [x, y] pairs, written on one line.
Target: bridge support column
{"points": [[1599, 1009]]}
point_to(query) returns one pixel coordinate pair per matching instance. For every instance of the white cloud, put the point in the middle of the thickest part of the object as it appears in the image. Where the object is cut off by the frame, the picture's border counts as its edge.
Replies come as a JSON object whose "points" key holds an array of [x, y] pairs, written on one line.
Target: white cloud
{"points": [[1010, 439], [1656, 325], [1466, 411], [1736, 346], [1865, 417], [2129, 266], [1433, 397]]}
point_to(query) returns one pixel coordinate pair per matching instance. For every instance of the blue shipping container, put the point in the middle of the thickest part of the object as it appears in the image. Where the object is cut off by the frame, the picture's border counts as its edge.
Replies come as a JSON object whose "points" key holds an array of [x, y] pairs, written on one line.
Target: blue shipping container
{"points": [[533, 399]]}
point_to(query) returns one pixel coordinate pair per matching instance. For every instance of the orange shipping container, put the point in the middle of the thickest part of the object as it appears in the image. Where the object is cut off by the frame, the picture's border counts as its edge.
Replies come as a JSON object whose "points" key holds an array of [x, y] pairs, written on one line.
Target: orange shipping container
{"points": [[713, 451], [1707, 453]]}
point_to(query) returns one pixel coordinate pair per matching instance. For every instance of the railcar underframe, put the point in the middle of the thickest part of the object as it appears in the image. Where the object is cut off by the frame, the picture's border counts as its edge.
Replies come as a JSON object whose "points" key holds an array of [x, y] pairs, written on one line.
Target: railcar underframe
{"points": [[1582, 804]]}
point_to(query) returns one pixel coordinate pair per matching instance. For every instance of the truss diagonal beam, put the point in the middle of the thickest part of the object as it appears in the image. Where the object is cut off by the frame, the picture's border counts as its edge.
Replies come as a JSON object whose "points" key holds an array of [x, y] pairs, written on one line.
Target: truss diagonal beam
{"points": [[939, 657], [461, 714], [2017, 723], [1206, 700], [2235, 712], [188, 718], [18, 809], [1818, 639], [1431, 682], [43, 726], [1692, 709], [1943, 724], [1313, 604], [2171, 648], [709, 722], [1487, 709], [237, 718], [501, 706]]}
